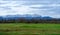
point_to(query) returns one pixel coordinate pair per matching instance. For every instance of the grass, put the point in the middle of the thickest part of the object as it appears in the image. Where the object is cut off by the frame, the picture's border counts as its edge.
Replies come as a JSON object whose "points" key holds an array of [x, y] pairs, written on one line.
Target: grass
{"points": [[29, 29]]}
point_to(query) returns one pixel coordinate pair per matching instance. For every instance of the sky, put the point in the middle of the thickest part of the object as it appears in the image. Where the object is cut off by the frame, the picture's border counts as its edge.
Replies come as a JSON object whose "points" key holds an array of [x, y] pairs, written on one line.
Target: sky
{"points": [[41, 7]]}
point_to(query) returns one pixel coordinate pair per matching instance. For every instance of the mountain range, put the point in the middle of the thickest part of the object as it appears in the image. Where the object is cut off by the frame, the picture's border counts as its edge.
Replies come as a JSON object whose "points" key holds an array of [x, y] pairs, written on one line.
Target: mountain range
{"points": [[26, 16]]}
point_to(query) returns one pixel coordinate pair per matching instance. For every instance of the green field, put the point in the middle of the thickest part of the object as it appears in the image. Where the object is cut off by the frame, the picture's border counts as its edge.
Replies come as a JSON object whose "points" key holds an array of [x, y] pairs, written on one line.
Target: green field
{"points": [[29, 29]]}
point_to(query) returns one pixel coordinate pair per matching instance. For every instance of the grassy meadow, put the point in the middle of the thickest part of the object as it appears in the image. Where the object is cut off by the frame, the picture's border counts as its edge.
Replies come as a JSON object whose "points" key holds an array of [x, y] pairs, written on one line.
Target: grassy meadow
{"points": [[29, 29]]}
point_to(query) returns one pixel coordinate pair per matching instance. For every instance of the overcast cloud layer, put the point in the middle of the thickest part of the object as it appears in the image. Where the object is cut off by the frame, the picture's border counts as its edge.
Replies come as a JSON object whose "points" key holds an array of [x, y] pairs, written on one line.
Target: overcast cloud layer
{"points": [[40, 7]]}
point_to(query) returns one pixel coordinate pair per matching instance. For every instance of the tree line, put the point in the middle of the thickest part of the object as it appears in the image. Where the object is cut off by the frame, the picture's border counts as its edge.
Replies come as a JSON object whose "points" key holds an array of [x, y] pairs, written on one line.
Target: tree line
{"points": [[32, 20]]}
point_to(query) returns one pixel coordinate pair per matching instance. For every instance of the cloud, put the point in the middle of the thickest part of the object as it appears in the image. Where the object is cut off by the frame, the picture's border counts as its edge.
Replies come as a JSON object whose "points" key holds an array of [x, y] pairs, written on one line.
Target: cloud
{"points": [[13, 8], [40, 7]]}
